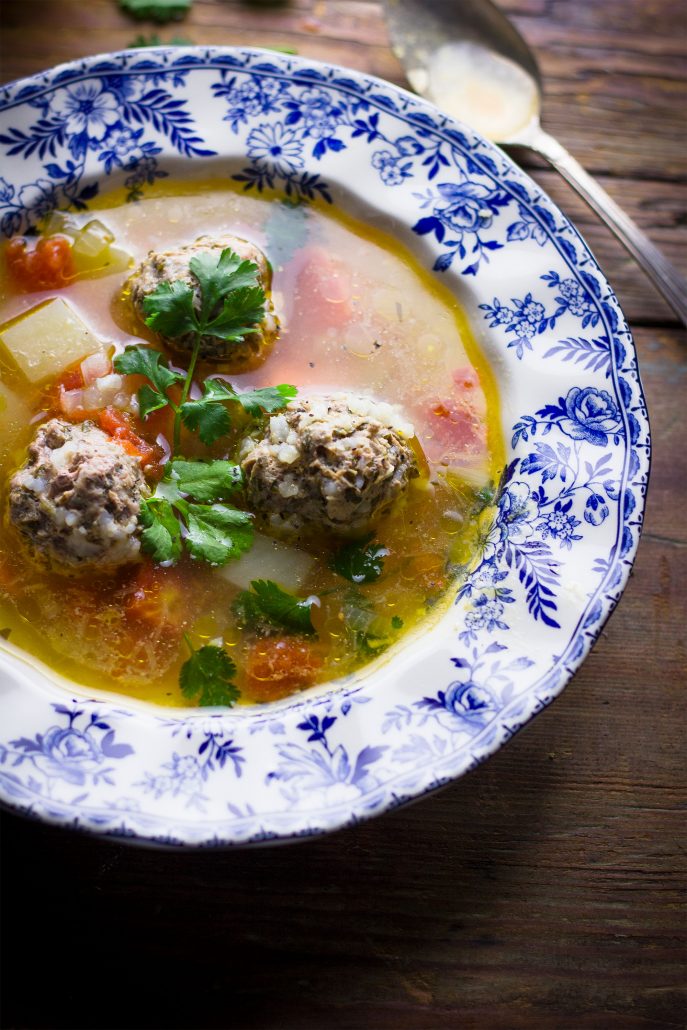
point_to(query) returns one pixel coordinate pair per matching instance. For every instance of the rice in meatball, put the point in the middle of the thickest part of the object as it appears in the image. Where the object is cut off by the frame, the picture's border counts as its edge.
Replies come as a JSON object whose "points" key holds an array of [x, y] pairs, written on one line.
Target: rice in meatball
{"points": [[76, 499], [334, 462], [173, 265]]}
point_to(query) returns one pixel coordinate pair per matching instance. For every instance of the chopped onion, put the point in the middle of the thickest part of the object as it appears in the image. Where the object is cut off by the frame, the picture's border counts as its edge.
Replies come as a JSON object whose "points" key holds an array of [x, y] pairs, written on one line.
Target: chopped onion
{"points": [[95, 366], [72, 402], [269, 559]]}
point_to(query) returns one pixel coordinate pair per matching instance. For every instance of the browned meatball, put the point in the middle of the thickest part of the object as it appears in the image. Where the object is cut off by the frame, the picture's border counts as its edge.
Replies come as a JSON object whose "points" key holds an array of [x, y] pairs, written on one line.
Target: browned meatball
{"points": [[333, 463], [171, 265], [77, 498]]}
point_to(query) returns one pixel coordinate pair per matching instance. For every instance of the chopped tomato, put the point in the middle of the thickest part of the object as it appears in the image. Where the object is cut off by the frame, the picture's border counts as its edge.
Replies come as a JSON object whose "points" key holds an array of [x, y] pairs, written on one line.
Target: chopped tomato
{"points": [[119, 428], [278, 665], [323, 290], [71, 379], [48, 266], [155, 597]]}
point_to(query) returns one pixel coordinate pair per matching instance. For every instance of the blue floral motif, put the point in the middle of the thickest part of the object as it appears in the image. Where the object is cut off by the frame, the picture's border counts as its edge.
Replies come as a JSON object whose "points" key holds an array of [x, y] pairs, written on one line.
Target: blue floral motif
{"points": [[95, 117], [591, 415], [569, 507], [528, 318], [464, 210], [324, 774], [184, 776], [76, 752], [486, 686]]}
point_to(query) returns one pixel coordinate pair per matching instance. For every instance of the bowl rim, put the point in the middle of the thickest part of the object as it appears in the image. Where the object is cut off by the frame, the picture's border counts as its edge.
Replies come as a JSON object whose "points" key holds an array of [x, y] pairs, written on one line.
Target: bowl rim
{"points": [[65, 74]]}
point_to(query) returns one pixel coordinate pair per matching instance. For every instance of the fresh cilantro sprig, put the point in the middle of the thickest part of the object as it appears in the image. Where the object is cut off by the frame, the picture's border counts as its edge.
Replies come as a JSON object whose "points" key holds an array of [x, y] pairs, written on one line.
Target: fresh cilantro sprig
{"points": [[266, 605], [209, 417], [144, 361], [208, 676], [229, 303], [360, 561], [186, 512]]}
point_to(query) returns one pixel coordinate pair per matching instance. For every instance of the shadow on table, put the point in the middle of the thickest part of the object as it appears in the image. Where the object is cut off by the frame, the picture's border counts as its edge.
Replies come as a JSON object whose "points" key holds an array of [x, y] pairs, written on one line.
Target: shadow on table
{"points": [[372, 926]]}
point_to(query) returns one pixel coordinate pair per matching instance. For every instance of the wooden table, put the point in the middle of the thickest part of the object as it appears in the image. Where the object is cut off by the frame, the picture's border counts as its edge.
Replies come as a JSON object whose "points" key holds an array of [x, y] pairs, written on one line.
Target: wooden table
{"points": [[543, 890]]}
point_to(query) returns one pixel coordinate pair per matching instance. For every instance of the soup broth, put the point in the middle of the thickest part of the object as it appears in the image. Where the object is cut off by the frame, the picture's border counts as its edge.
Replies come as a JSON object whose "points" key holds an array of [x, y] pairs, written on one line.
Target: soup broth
{"points": [[358, 316]]}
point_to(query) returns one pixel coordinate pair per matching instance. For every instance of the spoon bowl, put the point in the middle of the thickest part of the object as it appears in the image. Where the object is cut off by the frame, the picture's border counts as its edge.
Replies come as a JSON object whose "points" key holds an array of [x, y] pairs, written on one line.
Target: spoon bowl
{"points": [[470, 60]]}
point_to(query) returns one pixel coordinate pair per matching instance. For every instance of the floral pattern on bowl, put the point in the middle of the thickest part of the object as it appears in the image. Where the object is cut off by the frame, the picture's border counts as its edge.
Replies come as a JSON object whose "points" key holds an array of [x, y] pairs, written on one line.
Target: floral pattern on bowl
{"points": [[552, 566]]}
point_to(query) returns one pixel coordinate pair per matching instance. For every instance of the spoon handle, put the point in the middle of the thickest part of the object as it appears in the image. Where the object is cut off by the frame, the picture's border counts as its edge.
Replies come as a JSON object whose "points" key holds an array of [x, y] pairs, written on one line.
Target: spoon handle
{"points": [[662, 273]]}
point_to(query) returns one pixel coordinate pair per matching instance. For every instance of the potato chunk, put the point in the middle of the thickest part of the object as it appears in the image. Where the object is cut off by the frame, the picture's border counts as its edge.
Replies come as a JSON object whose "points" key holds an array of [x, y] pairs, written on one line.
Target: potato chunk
{"points": [[14, 418], [48, 338]]}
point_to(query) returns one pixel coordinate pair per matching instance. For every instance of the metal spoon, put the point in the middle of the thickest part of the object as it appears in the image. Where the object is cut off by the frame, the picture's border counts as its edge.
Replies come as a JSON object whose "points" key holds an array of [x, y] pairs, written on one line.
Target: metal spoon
{"points": [[470, 60]]}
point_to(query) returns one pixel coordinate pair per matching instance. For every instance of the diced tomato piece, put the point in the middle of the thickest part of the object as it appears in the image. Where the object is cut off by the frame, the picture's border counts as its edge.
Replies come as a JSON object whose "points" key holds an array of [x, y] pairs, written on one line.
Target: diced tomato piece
{"points": [[156, 598], [278, 665], [72, 379], [119, 427], [323, 290], [48, 266]]}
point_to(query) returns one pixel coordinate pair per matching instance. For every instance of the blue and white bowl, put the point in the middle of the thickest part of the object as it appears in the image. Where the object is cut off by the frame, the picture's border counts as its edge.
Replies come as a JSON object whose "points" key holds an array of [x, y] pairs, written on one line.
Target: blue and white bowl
{"points": [[559, 554]]}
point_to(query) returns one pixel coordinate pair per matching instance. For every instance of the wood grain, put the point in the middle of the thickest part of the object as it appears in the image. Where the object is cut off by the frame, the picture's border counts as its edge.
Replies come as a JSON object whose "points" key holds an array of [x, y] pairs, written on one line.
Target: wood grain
{"points": [[544, 890]]}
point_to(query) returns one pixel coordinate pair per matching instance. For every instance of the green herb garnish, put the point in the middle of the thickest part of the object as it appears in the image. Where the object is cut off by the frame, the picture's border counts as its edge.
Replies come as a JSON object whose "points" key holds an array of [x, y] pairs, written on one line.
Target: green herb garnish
{"points": [[154, 40], [144, 361], [210, 419], [360, 562], [232, 304], [208, 676], [160, 11], [266, 602], [172, 520], [369, 633]]}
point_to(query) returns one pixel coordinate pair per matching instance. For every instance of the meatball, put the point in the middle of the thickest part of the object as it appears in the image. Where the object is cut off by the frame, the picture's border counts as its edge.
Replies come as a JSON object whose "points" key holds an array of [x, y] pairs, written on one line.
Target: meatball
{"points": [[333, 463], [170, 265], [76, 499]]}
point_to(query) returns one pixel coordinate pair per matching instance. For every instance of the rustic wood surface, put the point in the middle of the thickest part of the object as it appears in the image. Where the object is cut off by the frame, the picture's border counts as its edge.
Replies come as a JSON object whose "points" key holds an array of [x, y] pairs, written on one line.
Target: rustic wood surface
{"points": [[546, 888]]}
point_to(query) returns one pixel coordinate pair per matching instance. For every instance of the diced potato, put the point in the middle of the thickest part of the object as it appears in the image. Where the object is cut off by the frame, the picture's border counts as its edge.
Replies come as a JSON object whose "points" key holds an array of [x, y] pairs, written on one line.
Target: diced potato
{"points": [[269, 559], [14, 418], [47, 339]]}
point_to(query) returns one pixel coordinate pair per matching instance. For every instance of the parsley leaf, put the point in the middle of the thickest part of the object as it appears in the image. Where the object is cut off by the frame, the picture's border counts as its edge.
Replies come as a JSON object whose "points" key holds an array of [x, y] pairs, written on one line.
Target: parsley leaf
{"points": [[152, 364], [211, 420], [208, 675], [217, 278], [217, 533], [161, 535], [230, 301], [240, 314], [156, 10], [206, 480], [266, 601], [214, 532], [359, 562], [268, 398], [169, 308]]}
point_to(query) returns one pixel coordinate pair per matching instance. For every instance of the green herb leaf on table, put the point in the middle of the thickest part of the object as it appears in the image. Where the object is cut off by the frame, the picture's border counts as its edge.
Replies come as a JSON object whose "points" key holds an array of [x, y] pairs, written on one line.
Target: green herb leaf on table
{"points": [[208, 676], [267, 602], [360, 561], [160, 11]]}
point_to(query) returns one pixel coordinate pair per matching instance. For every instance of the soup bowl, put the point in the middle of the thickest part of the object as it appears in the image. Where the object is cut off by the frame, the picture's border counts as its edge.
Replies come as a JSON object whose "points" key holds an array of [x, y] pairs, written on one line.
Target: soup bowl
{"points": [[550, 568]]}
